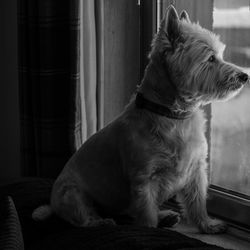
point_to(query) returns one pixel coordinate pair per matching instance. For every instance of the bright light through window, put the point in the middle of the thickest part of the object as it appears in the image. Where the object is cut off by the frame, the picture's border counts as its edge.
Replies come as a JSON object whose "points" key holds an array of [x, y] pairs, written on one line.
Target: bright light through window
{"points": [[230, 124]]}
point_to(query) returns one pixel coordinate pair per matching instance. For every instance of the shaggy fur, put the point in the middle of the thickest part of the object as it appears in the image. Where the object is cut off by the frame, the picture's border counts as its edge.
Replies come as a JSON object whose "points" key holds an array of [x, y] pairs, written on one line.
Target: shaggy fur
{"points": [[142, 159]]}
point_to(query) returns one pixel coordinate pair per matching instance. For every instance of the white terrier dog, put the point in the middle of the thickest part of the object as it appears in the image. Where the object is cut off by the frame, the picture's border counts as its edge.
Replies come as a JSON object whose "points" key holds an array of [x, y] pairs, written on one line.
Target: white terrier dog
{"points": [[156, 148]]}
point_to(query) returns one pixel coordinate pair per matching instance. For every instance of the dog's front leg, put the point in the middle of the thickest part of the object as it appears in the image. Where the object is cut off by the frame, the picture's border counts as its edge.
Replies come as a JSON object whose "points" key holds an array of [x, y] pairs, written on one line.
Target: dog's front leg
{"points": [[193, 196], [144, 206]]}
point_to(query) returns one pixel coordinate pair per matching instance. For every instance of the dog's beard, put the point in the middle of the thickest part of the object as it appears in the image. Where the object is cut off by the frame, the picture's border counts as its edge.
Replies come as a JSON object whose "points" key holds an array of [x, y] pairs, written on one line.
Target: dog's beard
{"points": [[232, 89]]}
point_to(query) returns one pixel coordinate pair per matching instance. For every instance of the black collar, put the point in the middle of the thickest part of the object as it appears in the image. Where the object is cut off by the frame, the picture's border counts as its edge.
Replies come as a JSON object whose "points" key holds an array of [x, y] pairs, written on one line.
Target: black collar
{"points": [[143, 103]]}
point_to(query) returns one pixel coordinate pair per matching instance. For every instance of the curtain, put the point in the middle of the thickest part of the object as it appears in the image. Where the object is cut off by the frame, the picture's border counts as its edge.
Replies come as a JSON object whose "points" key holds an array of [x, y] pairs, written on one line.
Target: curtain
{"points": [[89, 67], [57, 81]]}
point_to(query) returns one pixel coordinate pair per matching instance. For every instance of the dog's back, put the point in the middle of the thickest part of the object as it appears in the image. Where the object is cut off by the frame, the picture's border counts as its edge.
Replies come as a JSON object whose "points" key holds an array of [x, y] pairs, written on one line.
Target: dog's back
{"points": [[138, 146]]}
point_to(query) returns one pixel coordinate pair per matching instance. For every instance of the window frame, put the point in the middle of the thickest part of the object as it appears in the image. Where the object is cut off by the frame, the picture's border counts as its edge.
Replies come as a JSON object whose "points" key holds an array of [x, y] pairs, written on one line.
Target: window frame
{"points": [[229, 206]]}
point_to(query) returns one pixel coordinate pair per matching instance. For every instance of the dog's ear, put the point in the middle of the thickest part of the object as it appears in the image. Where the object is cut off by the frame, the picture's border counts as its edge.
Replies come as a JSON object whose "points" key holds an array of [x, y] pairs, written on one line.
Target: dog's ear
{"points": [[184, 16], [171, 24]]}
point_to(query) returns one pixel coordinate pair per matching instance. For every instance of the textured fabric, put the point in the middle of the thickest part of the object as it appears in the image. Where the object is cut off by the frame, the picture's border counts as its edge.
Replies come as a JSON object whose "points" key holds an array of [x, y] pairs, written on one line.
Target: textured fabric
{"points": [[28, 194], [121, 237], [10, 229], [57, 81], [57, 234]]}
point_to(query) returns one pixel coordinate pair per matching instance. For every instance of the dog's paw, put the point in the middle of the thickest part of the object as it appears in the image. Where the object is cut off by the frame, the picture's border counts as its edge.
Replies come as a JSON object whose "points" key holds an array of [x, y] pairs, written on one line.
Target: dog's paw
{"points": [[101, 222], [213, 226], [168, 218]]}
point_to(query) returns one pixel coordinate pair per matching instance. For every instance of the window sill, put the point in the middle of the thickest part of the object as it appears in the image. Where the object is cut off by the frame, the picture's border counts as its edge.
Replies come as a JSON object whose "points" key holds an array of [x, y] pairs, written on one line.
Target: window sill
{"points": [[234, 239], [229, 206]]}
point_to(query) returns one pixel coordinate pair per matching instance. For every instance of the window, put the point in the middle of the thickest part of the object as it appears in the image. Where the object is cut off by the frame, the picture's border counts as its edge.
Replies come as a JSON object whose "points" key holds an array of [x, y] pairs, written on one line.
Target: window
{"points": [[228, 123], [230, 137]]}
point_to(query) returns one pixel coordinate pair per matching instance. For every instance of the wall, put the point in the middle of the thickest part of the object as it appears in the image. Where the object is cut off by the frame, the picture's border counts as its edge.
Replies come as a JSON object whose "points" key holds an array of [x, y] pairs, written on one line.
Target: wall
{"points": [[9, 109]]}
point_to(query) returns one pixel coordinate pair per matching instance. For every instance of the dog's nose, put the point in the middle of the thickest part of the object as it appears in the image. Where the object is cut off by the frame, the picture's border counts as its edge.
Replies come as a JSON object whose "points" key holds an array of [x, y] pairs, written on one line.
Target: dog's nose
{"points": [[243, 77]]}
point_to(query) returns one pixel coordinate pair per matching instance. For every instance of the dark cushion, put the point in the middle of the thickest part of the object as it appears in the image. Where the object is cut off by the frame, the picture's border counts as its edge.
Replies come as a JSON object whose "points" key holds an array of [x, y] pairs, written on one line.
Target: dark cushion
{"points": [[10, 229], [28, 194], [120, 237], [54, 233]]}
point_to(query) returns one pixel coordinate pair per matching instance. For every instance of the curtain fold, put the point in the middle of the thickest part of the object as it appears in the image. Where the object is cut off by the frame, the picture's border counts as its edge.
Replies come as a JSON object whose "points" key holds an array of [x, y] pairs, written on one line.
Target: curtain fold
{"points": [[88, 68], [57, 81]]}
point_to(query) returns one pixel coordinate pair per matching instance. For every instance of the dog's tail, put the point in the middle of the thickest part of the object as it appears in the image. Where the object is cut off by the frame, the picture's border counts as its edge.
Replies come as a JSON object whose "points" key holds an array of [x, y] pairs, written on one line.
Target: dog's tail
{"points": [[42, 213]]}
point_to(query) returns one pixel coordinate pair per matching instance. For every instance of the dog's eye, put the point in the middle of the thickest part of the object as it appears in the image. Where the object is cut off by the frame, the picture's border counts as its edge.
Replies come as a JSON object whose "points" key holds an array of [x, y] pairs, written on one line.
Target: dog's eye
{"points": [[211, 58]]}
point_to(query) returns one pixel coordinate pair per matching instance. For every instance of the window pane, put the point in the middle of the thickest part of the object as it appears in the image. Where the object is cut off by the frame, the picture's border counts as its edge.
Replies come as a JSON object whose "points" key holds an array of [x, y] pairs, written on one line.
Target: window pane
{"points": [[230, 138]]}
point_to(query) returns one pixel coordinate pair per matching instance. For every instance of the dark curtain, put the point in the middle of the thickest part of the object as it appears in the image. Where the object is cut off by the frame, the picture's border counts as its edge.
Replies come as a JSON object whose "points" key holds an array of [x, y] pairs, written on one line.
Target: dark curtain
{"points": [[49, 84]]}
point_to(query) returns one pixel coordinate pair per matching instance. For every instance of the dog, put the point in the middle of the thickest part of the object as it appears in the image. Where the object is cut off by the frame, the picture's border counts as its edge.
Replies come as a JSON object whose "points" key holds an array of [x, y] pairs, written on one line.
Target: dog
{"points": [[156, 148]]}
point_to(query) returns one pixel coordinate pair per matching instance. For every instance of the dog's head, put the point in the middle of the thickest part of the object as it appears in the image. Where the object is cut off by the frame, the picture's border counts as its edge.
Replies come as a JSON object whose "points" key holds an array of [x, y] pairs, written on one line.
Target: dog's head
{"points": [[192, 58]]}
